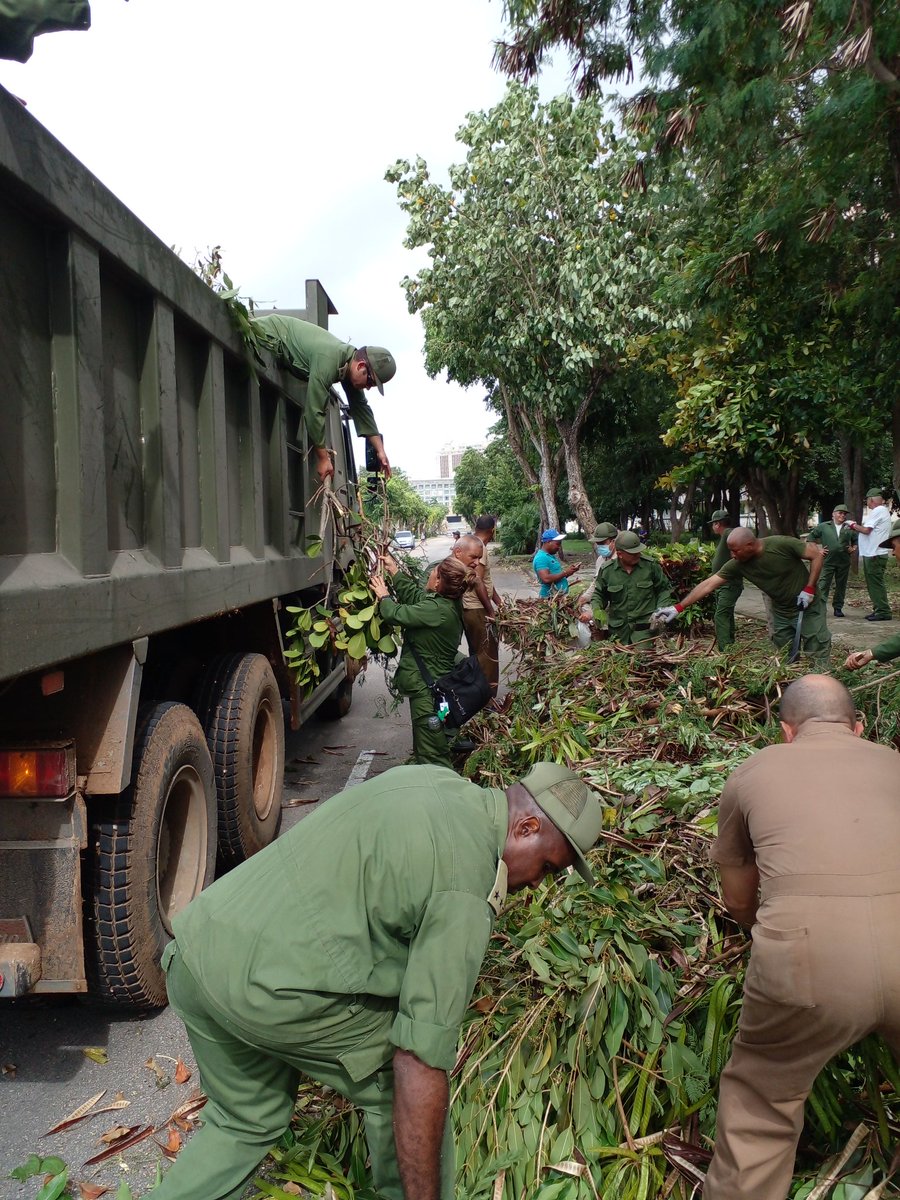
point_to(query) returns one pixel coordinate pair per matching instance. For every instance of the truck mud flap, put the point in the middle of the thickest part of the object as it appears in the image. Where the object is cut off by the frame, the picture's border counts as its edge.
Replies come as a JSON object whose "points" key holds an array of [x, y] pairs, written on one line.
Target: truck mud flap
{"points": [[40, 896]]}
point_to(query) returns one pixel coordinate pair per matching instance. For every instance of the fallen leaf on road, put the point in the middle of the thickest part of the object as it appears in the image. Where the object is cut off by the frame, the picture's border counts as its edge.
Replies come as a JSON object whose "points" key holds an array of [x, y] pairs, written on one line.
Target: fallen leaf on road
{"points": [[96, 1054], [172, 1144], [117, 1133], [314, 761], [77, 1115], [182, 1074], [186, 1112], [9, 1069], [162, 1079], [293, 1189], [299, 801], [118, 1147], [91, 1191]]}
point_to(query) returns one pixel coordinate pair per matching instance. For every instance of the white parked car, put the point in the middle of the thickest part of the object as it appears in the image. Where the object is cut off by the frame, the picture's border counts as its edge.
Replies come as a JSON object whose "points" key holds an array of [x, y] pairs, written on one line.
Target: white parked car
{"points": [[405, 540]]}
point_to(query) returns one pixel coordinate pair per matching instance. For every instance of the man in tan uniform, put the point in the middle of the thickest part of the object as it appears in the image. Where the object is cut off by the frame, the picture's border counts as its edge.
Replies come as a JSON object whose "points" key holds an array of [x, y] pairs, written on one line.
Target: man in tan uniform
{"points": [[807, 852], [478, 608]]}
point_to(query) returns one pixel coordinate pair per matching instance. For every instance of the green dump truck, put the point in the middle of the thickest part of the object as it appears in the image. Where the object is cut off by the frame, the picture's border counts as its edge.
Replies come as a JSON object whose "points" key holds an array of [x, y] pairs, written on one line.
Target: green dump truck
{"points": [[156, 506]]}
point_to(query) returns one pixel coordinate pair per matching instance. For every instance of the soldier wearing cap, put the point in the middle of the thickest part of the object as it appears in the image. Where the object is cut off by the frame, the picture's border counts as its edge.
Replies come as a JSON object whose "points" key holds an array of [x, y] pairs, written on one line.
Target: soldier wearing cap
{"points": [[348, 951], [873, 529], [629, 590], [603, 539], [890, 647], [314, 354], [777, 566], [837, 540], [727, 596]]}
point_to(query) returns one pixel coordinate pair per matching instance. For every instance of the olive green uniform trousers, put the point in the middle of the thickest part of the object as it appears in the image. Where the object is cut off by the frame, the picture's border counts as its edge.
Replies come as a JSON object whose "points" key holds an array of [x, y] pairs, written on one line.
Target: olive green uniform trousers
{"points": [[430, 746], [726, 598], [824, 972], [873, 573], [252, 1089], [837, 568], [816, 636]]}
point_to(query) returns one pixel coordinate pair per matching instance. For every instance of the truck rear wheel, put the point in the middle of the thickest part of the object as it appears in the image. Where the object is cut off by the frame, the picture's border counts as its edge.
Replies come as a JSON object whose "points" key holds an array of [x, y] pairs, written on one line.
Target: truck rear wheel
{"points": [[239, 706], [153, 852]]}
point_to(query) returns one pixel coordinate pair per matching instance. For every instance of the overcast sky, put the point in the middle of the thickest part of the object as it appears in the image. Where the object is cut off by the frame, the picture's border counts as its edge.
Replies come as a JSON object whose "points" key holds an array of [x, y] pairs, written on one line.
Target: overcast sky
{"points": [[266, 128]]}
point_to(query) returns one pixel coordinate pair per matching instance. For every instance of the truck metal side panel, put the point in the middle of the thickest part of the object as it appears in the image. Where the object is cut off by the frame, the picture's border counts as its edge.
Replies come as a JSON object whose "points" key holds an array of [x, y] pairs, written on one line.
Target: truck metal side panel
{"points": [[147, 480]]}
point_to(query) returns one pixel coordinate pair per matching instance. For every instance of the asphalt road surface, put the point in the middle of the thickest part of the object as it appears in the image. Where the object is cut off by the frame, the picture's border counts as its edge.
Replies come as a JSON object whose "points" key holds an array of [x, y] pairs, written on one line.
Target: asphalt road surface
{"points": [[44, 1072]]}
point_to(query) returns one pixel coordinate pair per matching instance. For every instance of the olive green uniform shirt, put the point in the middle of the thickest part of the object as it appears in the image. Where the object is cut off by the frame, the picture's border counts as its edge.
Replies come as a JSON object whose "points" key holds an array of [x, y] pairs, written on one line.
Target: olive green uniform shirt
{"points": [[382, 892], [630, 598], [722, 554], [431, 621], [837, 542], [780, 571], [314, 354]]}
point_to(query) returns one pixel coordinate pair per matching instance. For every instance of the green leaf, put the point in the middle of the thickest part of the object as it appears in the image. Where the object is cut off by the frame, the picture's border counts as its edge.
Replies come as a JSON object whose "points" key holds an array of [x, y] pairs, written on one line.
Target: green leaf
{"points": [[31, 1166], [386, 644], [318, 640], [54, 1187], [356, 647], [314, 548]]}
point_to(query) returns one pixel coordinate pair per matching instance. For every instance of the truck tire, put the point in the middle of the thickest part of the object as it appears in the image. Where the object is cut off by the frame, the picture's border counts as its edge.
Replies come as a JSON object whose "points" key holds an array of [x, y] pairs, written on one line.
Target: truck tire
{"points": [[153, 851], [239, 706]]}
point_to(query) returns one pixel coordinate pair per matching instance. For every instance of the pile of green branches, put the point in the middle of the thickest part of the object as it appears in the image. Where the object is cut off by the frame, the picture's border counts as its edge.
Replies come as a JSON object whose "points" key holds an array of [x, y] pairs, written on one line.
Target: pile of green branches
{"points": [[604, 1014]]}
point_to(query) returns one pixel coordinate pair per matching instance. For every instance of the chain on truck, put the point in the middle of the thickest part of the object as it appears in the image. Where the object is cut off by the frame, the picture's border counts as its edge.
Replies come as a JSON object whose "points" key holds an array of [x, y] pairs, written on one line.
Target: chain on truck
{"points": [[155, 502]]}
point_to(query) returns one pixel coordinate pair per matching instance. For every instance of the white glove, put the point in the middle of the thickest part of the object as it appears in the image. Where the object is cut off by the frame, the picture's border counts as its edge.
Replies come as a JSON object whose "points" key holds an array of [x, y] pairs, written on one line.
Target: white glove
{"points": [[804, 600], [663, 616]]}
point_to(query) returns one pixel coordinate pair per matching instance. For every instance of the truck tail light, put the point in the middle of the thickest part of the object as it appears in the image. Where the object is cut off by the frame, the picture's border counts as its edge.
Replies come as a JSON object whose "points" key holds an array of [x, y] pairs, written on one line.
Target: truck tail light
{"points": [[39, 773]]}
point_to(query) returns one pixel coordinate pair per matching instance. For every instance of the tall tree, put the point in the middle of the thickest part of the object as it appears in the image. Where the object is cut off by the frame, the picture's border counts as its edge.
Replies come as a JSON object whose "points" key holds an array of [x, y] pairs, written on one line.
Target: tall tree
{"points": [[539, 276]]}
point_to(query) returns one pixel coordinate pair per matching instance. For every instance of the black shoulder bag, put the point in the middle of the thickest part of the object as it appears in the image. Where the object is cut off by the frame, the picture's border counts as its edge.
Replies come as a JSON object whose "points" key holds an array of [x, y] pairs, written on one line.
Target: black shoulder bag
{"points": [[465, 689]]}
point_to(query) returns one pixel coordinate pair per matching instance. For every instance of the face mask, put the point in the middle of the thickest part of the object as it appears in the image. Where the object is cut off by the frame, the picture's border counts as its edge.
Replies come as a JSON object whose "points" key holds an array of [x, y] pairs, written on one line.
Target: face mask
{"points": [[604, 551]]}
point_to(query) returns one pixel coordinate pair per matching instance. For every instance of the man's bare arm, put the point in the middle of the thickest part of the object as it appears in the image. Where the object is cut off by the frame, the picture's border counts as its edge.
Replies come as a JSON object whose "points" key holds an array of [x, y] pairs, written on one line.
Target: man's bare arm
{"points": [[702, 589], [421, 1100], [740, 892], [376, 441]]}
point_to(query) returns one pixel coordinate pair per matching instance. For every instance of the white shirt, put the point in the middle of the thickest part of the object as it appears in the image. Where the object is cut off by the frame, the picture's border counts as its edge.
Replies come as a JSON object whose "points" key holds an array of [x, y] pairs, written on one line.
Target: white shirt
{"points": [[879, 521]]}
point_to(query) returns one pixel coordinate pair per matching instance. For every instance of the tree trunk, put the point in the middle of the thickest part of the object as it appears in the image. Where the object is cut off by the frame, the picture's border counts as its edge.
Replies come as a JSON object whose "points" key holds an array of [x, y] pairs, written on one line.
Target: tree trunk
{"points": [[539, 483], [896, 447], [779, 499], [852, 468], [678, 519], [536, 426], [569, 433]]}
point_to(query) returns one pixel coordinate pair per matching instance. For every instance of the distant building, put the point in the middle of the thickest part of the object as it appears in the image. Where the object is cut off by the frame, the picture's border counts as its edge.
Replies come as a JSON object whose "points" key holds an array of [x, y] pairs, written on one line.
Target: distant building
{"points": [[435, 491], [450, 458]]}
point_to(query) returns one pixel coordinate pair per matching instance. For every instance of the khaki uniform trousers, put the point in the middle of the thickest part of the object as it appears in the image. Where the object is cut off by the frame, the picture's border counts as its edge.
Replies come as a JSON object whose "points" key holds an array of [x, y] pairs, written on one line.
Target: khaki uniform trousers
{"points": [[482, 640], [824, 972], [252, 1089]]}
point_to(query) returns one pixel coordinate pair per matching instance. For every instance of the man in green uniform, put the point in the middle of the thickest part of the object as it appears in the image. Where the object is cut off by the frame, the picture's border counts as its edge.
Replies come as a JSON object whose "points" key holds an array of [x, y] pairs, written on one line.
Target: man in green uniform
{"points": [[314, 354], [347, 951], [727, 596], [629, 590], [778, 567], [890, 647], [872, 532], [837, 540]]}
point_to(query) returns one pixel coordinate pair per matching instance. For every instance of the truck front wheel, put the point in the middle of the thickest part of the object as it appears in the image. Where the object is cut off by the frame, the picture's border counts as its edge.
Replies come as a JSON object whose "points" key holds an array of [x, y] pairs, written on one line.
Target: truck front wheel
{"points": [[153, 851], [239, 706]]}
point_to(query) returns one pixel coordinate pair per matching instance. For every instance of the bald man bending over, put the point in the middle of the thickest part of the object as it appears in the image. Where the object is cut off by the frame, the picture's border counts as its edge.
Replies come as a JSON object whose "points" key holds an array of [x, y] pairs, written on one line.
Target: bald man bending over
{"points": [[787, 570], [807, 854]]}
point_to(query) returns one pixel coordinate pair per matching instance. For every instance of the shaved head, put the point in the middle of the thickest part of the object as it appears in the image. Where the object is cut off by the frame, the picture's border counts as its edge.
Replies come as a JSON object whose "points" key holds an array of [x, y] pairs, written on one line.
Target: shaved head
{"points": [[740, 537], [817, 697]]}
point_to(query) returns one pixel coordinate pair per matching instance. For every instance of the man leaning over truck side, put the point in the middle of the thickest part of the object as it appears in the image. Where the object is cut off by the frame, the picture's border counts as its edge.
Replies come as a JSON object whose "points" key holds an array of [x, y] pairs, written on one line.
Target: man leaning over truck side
{"points": [[317, 356]]}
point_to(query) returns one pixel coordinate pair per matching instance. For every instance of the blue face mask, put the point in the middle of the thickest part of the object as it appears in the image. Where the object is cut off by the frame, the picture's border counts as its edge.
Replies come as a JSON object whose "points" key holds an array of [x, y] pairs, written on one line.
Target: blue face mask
{"points": [[604, 551]]}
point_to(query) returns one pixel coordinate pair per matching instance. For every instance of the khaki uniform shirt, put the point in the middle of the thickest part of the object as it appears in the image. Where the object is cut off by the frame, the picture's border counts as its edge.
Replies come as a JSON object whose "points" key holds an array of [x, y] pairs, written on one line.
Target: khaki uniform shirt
{"points": [[470, 598], [630, 598], [827, 804], [382, 892], [780, 571], [314, 354]]}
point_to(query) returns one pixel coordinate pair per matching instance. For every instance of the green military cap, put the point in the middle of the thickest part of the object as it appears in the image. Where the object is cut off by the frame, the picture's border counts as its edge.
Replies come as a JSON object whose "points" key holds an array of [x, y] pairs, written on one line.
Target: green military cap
{"points": [[628, 540], [843, 507], [572, 807], [720, 514], [381, 364], [604, 531], [873, 492], [888, 543]]}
